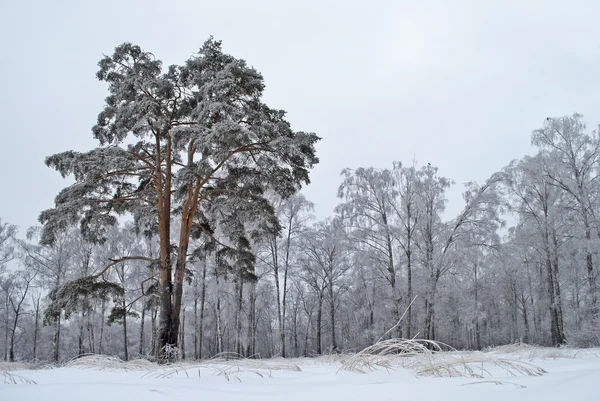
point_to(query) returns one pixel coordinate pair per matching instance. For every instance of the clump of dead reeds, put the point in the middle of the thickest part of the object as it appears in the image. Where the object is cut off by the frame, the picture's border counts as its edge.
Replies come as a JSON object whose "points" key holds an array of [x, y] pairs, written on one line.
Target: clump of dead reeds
{"points": [[432, 358]]}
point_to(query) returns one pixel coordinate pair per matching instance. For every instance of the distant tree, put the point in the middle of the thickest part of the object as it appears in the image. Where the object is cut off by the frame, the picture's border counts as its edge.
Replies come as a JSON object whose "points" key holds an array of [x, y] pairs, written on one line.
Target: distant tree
{"points": [[20, 284], [52, 263], [368, 207], [407, 211], [280, 245], [538, 204], [7, 245], [571, 162], [194, 142], [324, 267], [476, 225]]}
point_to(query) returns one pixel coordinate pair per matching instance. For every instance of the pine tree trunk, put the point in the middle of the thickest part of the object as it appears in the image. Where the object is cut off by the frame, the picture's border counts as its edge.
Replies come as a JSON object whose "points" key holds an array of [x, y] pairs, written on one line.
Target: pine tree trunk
{"points": [[163, 188]]}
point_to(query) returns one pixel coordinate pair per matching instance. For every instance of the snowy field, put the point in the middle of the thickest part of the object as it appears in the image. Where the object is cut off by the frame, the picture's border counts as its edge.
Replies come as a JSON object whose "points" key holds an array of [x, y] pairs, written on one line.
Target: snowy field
{"points": [[508, 373]]}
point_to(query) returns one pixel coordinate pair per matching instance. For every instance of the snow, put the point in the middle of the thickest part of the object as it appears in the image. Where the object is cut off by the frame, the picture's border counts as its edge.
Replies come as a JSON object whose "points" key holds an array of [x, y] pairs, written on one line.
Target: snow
{"points": [[571, 375]]}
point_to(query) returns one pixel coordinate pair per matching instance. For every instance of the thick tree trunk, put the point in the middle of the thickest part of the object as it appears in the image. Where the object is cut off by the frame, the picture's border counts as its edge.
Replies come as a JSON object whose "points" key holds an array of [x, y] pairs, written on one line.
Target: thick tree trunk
{"points": [[166, 339], [187, 219]]}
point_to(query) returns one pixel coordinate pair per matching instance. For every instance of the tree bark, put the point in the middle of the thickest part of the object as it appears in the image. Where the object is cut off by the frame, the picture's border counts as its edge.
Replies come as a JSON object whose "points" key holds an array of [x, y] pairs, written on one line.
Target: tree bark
{"points": [[56, 340], [125, 347], [36, 328], [202, 308], [142, 324]]}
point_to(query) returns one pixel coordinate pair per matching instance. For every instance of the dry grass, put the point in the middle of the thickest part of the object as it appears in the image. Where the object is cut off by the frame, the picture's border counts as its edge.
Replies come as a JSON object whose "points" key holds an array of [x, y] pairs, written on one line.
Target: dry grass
{"points": [[496, 382], [231, 369], [9, 366], [478, 366], [11, 378], [393, 352], [523, 351], [105, 362], [431, 358]]}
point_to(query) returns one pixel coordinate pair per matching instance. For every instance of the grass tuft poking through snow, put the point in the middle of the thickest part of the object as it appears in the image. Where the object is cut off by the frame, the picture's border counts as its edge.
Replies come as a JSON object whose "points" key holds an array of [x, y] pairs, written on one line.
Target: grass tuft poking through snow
{"points": [[12, 378], [106, 362], [411, 369], [231, 367], [435, 359]]}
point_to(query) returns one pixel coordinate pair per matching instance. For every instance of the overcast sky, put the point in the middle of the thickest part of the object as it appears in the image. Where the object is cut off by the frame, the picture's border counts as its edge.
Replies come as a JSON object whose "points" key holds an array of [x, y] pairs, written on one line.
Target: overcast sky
{"points": [[458, 84]]}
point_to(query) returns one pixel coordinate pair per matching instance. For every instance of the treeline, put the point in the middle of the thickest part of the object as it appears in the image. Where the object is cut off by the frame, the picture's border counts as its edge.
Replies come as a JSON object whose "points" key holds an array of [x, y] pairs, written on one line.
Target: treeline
{"points": [[387, 264]]}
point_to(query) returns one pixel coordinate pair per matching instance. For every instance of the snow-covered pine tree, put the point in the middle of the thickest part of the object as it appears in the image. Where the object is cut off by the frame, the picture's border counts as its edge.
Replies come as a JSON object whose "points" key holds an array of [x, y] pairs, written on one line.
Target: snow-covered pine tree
{"points": [[194, 141]]}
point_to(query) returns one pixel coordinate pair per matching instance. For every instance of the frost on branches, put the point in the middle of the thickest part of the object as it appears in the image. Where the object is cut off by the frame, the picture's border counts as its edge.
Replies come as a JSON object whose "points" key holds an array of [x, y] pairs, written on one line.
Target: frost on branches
{"points": [[191, 141]]}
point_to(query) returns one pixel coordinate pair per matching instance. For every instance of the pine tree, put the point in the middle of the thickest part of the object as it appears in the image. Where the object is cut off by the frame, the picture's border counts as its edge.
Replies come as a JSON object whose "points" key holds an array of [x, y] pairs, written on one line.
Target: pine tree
{"points": [[195, 142]]}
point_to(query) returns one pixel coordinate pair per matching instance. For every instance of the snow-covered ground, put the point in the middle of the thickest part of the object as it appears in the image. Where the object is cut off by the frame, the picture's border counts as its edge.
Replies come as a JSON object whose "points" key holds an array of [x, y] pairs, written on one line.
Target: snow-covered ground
{"points": [[570, 375]]}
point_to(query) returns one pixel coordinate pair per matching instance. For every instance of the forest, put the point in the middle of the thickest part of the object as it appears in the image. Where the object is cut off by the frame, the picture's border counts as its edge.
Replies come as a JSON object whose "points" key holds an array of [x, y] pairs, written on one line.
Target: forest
{"points": [[185, 235]]}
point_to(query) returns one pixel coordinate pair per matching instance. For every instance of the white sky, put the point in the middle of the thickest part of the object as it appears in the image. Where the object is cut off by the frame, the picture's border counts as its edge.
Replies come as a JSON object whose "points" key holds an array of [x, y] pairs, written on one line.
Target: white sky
{"points": [[458, 84]]}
